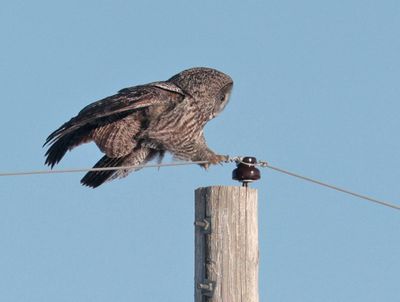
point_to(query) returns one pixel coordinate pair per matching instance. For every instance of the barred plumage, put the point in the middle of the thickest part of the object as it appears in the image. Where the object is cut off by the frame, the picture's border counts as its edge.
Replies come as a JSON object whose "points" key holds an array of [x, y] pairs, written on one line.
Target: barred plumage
{"points": [[143, 122]]}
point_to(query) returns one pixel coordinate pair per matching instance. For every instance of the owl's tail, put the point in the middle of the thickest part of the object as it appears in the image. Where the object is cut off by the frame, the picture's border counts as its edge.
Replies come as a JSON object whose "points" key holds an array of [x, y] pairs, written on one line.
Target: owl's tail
{"points": [[138, 156], [65, 138]]}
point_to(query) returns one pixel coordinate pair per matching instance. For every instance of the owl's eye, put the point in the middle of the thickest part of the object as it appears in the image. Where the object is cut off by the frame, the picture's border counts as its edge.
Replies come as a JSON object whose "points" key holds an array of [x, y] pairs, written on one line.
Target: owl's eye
{"points": [[224, 93]]}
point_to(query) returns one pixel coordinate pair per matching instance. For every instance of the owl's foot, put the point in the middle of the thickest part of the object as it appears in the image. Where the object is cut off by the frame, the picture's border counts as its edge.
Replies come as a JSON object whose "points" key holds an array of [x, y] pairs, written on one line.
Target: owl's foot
{"points": [[215, 159]]}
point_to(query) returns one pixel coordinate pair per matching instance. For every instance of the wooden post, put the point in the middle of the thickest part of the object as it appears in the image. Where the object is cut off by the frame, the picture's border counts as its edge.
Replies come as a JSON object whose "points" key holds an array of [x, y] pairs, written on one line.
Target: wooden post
{"points": [[226, 244]]}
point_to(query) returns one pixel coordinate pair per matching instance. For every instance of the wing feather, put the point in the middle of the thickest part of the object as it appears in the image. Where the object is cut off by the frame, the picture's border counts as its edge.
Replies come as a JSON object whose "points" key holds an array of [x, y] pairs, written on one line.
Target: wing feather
{"points": [[80, 128]]}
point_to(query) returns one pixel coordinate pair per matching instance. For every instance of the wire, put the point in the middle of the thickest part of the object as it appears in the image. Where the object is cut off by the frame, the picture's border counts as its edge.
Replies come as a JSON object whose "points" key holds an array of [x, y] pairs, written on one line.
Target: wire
{"points": [[384, 203], [99, 169], [237, 159]]}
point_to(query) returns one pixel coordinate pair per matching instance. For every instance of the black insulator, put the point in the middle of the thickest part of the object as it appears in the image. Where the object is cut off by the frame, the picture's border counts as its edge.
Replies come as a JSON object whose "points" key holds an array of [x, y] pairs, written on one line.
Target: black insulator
{"points": [[246, 171]]}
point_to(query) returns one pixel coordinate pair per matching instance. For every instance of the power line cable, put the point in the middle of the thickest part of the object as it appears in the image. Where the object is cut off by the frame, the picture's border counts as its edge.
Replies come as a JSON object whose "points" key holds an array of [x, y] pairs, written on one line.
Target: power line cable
{"points": [[318, 182], [77, 170], [263, 164]]}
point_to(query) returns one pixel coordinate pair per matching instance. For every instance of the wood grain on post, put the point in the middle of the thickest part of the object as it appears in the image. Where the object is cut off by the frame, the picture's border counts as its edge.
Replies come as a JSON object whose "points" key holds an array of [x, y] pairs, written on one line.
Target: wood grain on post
{"points": [[226, 251]]}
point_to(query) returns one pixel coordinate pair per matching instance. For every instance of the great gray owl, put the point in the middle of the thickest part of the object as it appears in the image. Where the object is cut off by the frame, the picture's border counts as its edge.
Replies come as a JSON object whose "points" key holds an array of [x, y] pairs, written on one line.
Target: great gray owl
{"points": [[142, 122]]}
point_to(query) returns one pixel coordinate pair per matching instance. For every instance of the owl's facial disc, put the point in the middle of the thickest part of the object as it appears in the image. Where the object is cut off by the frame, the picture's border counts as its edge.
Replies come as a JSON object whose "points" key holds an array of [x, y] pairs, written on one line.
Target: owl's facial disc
{"points": [[222, 99]]}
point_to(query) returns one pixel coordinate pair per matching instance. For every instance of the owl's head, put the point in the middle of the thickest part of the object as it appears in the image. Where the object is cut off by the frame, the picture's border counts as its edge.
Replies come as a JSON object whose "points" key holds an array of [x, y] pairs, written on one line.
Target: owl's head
{"points": [[209, 87]]}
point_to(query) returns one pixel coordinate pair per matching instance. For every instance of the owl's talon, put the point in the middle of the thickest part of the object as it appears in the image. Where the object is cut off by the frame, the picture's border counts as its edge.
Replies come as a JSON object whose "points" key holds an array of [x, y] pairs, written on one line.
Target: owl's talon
{"points": [[216, 159], [205, 166]]}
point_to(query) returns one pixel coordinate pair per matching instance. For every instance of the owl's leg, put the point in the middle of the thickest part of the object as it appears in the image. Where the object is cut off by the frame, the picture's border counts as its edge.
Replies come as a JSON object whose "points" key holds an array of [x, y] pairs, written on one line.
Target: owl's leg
{"points": [[197, 151], [203, 153], [211, 158]]}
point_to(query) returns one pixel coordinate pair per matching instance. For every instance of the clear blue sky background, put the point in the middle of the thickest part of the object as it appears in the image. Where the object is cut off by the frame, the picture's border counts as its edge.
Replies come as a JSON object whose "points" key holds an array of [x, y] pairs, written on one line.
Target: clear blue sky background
{"points": [[316, 92]]}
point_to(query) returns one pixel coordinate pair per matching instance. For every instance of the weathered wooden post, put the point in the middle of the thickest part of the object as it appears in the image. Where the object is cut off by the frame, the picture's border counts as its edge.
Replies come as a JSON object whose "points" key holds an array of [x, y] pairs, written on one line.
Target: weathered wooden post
{"points": [[226, 240]]}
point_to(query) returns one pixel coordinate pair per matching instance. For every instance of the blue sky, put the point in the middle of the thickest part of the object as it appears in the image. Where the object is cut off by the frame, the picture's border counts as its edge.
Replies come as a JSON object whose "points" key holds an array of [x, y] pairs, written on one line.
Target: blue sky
{"points": [[316, 92]]}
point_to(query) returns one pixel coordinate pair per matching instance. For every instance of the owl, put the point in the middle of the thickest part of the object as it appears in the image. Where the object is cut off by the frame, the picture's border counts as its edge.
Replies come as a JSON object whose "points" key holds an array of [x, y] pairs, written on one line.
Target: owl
{"points": [[141, 123]]}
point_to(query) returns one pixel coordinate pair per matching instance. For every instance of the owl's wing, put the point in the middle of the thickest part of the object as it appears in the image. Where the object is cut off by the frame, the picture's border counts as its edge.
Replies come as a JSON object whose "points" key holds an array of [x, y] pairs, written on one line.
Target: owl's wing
{"points": [[119, 105], [131, 99], [78, 129]]}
